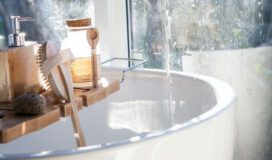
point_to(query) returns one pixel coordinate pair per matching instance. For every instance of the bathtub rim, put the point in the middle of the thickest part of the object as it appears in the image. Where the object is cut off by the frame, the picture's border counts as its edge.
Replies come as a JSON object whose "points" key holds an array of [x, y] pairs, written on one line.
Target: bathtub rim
{"points": [[221, 106]]}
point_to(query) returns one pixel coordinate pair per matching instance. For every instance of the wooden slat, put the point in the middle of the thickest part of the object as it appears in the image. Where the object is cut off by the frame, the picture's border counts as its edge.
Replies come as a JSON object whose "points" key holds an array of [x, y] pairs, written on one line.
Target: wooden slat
{"points": [[13, 126], [66, 109], [107, 88], [6, 106]]}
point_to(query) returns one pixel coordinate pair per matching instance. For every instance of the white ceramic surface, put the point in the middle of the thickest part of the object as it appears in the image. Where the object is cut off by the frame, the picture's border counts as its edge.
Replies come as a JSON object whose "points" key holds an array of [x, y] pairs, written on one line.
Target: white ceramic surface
{"points": [[136, 123]]}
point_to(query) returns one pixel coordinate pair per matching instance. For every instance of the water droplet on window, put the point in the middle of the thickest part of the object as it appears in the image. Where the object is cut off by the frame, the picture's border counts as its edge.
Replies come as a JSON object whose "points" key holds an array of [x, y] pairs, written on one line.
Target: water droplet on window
{"points": [[260, 15], [193, 5]]}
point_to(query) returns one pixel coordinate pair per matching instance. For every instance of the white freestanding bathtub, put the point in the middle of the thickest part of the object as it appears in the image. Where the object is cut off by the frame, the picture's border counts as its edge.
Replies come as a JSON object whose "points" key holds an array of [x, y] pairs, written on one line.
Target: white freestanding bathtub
{"points": [[137, 124]]}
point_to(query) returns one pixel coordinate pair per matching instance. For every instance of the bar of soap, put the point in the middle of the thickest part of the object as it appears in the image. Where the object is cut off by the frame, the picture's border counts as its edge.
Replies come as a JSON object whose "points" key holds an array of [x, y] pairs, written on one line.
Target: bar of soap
{"points": [[29, 104]]}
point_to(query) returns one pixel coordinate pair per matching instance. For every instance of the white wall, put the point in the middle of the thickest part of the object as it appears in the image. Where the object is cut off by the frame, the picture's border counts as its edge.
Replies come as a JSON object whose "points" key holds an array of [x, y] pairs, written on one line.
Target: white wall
{"points": [[110, 19]]}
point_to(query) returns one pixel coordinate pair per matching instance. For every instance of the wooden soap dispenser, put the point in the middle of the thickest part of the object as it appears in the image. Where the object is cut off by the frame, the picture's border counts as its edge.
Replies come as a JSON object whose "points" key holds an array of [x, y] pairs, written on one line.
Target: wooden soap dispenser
{"points": [[23, 69]]}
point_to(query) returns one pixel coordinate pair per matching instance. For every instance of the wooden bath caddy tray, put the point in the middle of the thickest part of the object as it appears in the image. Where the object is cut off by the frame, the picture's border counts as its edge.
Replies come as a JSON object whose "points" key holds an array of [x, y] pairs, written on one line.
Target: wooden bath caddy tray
{"points": [[13, 126]]}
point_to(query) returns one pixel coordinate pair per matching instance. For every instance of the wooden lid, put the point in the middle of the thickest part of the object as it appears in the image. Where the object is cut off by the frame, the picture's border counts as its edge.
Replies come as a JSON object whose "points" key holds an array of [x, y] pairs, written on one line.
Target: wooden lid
{"points": [[79, 22]]}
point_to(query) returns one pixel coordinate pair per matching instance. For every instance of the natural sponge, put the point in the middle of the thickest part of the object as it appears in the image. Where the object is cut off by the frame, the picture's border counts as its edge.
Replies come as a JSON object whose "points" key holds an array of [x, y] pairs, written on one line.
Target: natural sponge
{"points": [[29, 104]]}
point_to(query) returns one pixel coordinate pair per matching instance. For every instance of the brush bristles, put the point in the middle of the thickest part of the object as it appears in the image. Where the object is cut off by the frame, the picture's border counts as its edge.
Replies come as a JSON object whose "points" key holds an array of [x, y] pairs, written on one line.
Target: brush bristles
{"points": [[41, 57]]}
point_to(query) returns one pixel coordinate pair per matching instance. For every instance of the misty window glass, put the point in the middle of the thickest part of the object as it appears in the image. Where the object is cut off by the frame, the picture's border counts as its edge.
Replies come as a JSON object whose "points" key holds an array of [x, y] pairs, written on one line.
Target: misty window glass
{"points": [[50, 17], [194, 25]]}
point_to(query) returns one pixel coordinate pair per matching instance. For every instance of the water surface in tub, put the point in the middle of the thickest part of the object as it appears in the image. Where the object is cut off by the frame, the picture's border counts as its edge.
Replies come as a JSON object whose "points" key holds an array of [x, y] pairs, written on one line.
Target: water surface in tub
{"points": [[139, 107]]}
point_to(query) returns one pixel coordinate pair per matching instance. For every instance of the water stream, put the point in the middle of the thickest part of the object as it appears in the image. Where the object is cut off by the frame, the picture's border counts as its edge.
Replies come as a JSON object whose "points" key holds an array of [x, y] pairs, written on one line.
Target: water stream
{"points": [[170, 103]]}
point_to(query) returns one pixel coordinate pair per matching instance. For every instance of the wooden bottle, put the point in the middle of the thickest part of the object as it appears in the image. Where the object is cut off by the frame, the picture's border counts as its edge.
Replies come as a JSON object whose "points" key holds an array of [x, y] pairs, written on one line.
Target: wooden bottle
{"points": [[19, 73], [24, 69]]}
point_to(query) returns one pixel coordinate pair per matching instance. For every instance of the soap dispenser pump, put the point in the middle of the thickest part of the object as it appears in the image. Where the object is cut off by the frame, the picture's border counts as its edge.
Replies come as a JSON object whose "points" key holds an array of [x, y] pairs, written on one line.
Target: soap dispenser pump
{"points": [[17, 39]]}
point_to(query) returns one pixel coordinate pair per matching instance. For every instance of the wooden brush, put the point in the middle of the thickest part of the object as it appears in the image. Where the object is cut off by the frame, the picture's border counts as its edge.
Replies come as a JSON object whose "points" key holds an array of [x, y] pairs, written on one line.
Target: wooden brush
{"points": [[54, 80], [54, 67], [49, 94]]}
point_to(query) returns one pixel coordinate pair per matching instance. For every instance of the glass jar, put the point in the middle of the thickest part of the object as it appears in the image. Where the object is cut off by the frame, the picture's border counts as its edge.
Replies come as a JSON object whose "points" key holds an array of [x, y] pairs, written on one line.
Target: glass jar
{"points": [[81, 68]]}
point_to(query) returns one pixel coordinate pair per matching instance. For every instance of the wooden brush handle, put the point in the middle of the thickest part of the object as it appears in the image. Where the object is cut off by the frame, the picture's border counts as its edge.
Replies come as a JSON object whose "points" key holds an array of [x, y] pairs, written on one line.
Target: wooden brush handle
{"points": [[67, 80], [68, 84]]}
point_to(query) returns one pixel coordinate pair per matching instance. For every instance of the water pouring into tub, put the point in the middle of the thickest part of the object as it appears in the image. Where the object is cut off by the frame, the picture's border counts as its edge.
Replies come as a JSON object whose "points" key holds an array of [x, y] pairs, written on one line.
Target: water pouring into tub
{"points": [[152, 115]]}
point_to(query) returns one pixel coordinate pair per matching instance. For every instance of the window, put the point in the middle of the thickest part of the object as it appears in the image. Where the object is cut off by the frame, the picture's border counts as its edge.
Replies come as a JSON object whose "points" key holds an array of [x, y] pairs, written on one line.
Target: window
{"points": [[179, 26]]}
